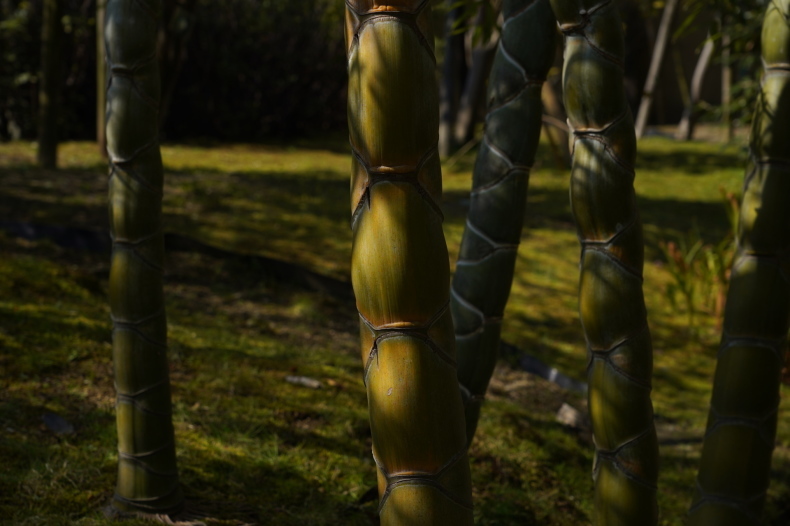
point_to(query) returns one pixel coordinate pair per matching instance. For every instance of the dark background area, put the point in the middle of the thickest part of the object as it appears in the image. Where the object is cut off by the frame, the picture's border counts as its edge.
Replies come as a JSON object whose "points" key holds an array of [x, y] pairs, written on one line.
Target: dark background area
{"points": [[251, 69]]}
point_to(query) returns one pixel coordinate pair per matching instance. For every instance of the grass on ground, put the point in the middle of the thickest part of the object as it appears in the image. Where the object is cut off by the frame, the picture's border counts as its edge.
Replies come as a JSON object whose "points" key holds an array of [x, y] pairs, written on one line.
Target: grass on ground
{"points": [[256, 449]]}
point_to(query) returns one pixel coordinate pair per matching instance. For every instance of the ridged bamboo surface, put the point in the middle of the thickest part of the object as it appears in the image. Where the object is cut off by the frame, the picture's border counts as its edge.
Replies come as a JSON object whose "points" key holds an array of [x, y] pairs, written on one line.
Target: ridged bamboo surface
{"points": [[147, 475], [611, 303], [736, 456], [484, 273], [400, 269]]}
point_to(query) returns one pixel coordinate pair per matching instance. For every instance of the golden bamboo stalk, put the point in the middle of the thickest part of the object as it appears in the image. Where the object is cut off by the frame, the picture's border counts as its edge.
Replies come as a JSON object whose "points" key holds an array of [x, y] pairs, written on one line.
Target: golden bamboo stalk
{"points": [[399, 266], [147, 473], [736, 455], [611, 303]]}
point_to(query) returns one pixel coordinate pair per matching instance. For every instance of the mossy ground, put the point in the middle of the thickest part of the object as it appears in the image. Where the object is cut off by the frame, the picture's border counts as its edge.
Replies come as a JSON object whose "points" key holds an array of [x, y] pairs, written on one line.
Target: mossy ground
{"points": [[255, 449]]}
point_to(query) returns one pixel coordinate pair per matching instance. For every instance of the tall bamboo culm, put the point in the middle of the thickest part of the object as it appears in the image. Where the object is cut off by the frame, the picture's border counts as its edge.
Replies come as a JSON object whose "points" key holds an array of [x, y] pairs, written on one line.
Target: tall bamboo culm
{"points": [[736, 455], [147, 475], [611, 303], [484, 273], [400, 269], [101, 79]]}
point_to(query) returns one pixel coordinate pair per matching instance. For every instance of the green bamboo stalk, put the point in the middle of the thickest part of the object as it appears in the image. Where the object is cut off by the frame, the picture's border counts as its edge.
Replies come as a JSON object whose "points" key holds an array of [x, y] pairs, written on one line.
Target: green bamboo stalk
{"points": [[611, 303], [736, 454], [101, 79], [147, 474], [484, 273], [399, 266]]}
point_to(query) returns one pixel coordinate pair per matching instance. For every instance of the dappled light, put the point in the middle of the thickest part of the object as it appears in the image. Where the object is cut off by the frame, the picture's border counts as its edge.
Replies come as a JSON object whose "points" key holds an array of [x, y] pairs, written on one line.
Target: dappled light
{"points": [[249, 332], [249, 315], [199, 311]]}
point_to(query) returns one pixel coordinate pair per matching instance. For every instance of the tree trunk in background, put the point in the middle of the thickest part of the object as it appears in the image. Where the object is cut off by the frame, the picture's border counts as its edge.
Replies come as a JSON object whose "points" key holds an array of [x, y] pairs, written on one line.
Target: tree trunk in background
{"points": [[484, 273], [399, 267], [685, 129], [472, 99], [680, 77], [611, 303], [49, 85], [147, 474], [474, 90], [174, 34], [726, 82], [662, 39], [558, 137], [101, 79], [453, 73], [736, 454]]}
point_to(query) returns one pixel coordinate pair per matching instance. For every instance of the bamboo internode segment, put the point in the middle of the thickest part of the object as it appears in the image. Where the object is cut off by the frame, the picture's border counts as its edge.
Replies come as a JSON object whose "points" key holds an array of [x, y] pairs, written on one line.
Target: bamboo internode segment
{"points": [[736, 455], [399, 267], [147, 475], [611, 303], [484, 273]]}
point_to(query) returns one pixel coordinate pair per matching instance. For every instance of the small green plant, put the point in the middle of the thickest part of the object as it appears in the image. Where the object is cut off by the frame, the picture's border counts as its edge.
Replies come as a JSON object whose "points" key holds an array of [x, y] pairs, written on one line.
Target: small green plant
{"points": [[701, 271], [682, 259]]}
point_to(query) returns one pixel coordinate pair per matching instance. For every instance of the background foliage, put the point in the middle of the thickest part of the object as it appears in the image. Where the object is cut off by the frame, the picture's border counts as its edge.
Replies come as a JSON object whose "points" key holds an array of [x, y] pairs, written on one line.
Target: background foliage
{"points": [[254, 68], [269, 68], [20, 59], [742, 21], [260, 68]]}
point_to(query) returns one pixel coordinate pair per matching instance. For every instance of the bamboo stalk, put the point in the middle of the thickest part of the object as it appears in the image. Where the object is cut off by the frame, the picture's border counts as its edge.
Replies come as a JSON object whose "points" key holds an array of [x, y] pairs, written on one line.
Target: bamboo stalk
{"points": [[662, 40], [453, 73], [687, 123], [399, 266], [484, 273], [611, 303], [726, 79], [101, 79], [736, 454], [147, 473]]}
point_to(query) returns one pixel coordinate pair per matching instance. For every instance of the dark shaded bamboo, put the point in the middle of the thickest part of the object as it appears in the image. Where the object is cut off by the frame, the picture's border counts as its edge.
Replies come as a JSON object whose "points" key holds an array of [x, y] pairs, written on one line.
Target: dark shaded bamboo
{"points": [[555, 127], [484, 273], [49, 85], [453, 73], [739, 440], [147, 474], [472, 99], [101, 79], [481, 58], [611, 303], [399, 266]]}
